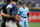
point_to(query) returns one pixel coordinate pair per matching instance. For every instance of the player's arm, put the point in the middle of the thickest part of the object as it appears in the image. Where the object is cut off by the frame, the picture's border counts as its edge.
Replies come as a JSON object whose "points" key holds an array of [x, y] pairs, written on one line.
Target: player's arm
{"points": [[3, 14], [28, 15], [19, 14], [19, 17]]}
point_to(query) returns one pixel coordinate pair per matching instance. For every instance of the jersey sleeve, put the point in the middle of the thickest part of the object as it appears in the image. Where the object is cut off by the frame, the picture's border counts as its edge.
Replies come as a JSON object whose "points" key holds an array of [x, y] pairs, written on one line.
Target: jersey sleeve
{"points": [[27, 10], [19, 11], [14, 13], [14, 10]]}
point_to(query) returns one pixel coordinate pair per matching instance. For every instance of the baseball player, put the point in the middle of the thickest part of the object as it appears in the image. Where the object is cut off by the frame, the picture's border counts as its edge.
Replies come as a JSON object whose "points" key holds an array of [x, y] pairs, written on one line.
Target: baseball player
{"points": [[12, 10], [24, 13], [4, 14]]}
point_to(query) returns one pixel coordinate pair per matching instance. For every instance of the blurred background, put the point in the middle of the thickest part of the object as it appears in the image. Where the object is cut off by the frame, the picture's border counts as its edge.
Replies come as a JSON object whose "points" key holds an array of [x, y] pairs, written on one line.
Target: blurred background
{"points": [[34, 8]]}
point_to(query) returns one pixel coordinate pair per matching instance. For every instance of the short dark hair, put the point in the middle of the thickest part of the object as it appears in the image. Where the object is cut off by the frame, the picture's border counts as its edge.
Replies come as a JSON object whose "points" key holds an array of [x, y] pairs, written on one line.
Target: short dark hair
{"points": [[24, 2]]}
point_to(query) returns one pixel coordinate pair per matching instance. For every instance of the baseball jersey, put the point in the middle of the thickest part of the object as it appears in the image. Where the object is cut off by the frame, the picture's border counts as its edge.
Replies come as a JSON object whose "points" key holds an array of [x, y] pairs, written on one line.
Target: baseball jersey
{"points": [[23, 11], [11, 9]]}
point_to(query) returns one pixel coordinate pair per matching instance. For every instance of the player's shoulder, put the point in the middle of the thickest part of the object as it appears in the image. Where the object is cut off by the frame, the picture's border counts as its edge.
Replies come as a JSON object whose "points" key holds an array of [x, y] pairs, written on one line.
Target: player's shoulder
{"points": [[9, 6], [20, 8], [27, 8]]}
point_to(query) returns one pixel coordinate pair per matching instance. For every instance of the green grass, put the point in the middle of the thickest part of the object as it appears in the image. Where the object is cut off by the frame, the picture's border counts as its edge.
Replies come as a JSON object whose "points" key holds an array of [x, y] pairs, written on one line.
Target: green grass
{"points": [[32, 25], [0, 25]]}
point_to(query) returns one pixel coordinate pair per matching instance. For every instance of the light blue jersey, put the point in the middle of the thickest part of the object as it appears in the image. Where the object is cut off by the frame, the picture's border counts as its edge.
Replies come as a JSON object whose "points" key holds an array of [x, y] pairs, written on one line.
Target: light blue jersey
{"points": [[23, 11]]}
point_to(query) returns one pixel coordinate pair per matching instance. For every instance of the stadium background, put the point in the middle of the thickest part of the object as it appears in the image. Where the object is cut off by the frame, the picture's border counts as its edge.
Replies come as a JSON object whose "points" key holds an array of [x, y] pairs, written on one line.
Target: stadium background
{"points": [[34, 7]]}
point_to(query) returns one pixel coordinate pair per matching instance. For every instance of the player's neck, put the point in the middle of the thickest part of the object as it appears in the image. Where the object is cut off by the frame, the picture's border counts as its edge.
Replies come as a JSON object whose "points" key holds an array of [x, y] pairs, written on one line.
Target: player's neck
{"points": [[23, 7]]}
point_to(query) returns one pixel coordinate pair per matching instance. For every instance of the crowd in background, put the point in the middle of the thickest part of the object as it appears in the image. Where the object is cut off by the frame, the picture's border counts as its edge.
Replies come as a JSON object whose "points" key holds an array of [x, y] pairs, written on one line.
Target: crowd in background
{"points": [[31, 4]]}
